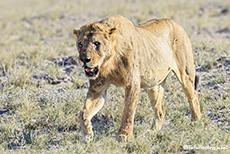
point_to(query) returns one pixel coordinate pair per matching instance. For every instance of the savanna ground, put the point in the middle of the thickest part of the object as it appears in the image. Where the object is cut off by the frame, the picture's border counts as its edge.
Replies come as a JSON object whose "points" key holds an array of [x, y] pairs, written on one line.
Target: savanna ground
{"points": [[42, 87]]}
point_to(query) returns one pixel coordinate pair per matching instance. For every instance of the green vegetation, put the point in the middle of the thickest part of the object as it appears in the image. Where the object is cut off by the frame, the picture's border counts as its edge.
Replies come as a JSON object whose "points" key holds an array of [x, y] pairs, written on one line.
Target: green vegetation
{"points": [[42, 89]]}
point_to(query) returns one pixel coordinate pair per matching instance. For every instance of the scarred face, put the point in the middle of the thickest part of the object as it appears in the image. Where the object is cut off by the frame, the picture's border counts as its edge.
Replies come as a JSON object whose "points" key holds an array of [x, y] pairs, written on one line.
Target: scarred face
{"points": [[93, 47]]}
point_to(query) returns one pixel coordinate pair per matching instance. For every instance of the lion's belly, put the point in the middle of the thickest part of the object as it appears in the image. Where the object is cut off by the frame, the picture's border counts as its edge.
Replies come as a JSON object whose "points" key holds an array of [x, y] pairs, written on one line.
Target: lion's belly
{"points": [[153, 77], [155, 66]]}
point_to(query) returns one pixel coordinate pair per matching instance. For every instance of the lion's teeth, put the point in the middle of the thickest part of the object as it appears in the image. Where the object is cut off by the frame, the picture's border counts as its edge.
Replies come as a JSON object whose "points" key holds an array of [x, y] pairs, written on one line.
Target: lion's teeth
{"points": [[89, 70]]}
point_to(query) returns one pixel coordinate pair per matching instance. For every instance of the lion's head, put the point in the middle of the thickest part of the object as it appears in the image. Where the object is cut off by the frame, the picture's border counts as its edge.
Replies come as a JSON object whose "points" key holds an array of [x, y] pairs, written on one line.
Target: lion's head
{"points": [[94, 47]]}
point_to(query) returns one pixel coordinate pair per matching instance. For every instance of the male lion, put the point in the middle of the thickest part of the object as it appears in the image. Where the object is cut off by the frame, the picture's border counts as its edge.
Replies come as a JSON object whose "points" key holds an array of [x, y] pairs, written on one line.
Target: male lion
{"points": [[114, 51]]}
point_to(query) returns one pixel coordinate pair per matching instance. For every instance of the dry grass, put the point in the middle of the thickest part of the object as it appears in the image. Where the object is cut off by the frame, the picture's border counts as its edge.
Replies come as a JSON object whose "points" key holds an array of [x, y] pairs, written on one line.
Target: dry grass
{"points": [[42, 90]]}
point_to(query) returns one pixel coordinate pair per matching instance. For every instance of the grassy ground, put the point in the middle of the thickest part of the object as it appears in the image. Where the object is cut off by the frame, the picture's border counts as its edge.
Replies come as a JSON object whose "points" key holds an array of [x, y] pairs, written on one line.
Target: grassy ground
{"points": [[42, 88]]}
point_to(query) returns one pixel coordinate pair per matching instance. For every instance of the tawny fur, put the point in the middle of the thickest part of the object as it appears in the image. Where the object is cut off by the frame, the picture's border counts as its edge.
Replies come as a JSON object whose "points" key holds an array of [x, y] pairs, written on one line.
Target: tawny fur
{"points": [[136, 57]]}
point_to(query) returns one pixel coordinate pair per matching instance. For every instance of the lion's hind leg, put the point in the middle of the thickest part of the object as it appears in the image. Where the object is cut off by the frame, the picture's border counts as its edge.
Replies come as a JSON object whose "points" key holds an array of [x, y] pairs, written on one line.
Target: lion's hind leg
{"points": [[184, 68], [188, 85], [156, 98]]}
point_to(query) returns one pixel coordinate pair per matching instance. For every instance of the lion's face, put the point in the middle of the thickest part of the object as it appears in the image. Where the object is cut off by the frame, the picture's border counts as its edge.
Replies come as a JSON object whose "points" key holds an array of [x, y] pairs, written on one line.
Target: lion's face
{"points": [[94, 48]]}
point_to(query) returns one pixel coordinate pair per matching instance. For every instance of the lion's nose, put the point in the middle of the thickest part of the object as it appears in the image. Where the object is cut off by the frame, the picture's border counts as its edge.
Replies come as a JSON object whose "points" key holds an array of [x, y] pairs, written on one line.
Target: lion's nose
{"points": [[85, 60]]}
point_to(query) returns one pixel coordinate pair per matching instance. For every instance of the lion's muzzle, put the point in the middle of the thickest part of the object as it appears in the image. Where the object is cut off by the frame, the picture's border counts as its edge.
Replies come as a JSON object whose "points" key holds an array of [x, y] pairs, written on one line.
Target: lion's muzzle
{"points": [[91, 72]]}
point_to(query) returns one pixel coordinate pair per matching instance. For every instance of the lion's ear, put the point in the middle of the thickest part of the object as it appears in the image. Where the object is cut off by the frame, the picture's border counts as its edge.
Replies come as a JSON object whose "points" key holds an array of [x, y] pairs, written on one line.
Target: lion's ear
{"points": [[76, 32], [112, 31]]}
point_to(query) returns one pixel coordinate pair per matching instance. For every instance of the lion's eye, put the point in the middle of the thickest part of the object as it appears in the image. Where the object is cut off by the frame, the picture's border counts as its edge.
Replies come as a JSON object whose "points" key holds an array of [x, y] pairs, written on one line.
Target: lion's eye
{"points": [[96, 44], [80, 45]]}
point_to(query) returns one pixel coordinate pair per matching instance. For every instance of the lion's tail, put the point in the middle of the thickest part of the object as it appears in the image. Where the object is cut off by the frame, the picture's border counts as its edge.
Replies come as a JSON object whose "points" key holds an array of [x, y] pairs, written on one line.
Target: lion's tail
{"points": [[197, 78]]}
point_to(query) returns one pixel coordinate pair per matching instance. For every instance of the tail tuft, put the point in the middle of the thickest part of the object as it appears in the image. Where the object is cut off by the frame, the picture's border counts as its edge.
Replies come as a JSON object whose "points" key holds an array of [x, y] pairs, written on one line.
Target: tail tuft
{"points": [[196, 82]]}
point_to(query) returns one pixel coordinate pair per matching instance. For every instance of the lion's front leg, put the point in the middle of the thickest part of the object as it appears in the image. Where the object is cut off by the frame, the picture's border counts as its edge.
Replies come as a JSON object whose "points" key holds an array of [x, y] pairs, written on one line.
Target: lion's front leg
{"points": [[131, 98], [94, 102]]}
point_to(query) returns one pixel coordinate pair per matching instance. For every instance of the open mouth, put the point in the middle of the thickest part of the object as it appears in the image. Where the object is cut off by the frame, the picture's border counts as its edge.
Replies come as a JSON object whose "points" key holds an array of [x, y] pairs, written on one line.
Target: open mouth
{"points": [[91, 72]]}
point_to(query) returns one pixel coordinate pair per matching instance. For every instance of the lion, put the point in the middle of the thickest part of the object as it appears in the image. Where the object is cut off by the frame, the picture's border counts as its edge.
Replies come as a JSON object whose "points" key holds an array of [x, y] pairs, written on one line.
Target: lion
{"points": [[114, 51]]}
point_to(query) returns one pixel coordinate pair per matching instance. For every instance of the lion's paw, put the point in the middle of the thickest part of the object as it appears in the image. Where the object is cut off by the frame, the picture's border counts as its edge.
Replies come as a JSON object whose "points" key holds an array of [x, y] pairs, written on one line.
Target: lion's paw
{"points": [[87, 138], [87, 132], [124, 138]]}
